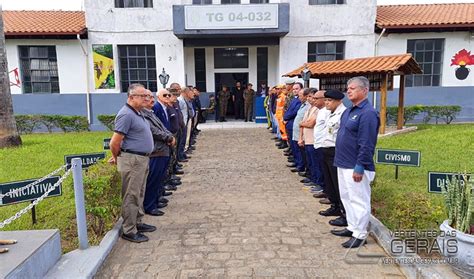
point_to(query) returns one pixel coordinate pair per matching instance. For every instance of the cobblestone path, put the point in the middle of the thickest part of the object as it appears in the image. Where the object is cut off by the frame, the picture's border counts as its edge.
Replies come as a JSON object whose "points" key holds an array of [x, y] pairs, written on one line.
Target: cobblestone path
{"points": [[240, 213]]}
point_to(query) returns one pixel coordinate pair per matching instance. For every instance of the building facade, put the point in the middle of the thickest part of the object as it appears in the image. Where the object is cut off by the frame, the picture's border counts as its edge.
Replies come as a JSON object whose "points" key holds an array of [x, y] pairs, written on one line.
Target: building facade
{"points": [[211, 43]]}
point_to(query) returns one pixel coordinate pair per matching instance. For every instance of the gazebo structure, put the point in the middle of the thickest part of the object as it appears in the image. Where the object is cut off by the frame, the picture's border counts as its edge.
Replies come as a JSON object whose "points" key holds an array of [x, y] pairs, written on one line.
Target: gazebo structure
{"points": [[380, 71]]}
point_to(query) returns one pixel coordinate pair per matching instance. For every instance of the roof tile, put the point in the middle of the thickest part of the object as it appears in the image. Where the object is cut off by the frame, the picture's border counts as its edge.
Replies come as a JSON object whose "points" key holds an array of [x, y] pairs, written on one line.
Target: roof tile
{"points": [[44, 22]]}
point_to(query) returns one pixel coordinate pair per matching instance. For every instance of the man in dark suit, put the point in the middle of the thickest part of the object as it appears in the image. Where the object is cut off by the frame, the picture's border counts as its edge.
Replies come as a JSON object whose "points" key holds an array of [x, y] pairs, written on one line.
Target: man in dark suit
{"points": [[238, 99]]}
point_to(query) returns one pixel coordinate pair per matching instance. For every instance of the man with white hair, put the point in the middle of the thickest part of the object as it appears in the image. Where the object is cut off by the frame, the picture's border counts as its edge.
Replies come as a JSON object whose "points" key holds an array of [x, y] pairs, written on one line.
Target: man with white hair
{"points": [[355, 147]]}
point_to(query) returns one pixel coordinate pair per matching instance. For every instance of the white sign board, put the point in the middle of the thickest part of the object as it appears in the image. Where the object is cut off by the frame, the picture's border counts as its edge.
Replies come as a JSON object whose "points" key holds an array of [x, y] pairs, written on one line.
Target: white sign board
{"points": [[231, 16]]}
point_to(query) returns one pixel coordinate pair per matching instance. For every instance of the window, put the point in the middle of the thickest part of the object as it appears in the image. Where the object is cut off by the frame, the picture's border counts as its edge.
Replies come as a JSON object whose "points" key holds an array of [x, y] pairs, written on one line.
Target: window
{"points": [[200, 68], [259, 1], [39, 69], [133, 3], [202, 2], [230, 1], [326, 2], [262, 64], [137, 65], [429, 54], [325, 51], [231, 57]]}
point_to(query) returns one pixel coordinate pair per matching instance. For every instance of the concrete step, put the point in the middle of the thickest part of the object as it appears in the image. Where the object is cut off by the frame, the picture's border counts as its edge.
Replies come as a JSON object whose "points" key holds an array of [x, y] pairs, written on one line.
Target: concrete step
{"points": [[34, 254]]}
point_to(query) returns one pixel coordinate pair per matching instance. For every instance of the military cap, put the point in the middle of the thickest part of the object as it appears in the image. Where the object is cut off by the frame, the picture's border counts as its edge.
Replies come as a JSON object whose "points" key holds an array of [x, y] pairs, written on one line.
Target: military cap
{"points": [[289, 81], [334, 94]]}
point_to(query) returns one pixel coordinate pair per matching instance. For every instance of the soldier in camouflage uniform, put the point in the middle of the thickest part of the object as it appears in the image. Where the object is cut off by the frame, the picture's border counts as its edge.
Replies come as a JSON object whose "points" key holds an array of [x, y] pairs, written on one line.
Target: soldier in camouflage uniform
{"points": [[223, 98], [249, 96]]}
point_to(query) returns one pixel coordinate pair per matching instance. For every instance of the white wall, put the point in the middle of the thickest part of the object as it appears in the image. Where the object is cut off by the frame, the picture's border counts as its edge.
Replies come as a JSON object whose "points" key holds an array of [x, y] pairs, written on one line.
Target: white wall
{"points": [[273, 77], [454, 42], [352, 22], [71, 63], [118, 26]]}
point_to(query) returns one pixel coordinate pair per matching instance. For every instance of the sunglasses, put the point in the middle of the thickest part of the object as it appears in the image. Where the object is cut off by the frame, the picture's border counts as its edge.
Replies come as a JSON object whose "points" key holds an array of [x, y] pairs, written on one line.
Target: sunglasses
{"points": [[167, 95]]}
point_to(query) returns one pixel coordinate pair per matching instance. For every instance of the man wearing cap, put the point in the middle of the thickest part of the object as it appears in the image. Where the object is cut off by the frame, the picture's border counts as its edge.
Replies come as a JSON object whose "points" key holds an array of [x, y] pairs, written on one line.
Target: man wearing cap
{"points": [[130, 145], [289, 92], [355, 147], [249, 96], [333, 103]]}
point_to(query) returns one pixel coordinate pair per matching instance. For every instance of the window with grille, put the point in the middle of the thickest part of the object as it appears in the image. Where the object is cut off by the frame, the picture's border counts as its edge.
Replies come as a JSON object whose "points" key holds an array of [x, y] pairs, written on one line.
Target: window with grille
{"points": [[137, 65], [133, 3], [326, 2], [39, 69], [259, 1], [202, 2], [200, 68], [326, 51], [230, 1], [231, 57], [429, 54]]}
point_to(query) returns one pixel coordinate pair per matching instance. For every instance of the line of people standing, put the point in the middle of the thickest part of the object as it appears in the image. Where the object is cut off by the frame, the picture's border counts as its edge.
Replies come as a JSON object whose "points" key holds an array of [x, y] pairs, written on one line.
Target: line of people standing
{"points": [[243, 100], [151, 140], [331, 147]]}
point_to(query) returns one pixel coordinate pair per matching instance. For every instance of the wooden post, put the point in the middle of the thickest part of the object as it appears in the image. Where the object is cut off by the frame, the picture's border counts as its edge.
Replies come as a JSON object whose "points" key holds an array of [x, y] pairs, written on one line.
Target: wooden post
{"points": [[383, 105], [401, 101]]}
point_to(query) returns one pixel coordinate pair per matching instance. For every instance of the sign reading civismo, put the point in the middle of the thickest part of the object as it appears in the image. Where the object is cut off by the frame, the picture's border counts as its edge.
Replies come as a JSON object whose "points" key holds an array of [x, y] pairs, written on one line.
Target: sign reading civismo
{"points": [[398, 157], [231, 16]]}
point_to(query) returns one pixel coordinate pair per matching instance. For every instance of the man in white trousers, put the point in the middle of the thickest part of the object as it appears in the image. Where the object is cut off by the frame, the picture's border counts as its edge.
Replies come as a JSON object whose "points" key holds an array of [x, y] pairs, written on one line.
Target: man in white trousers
{"points": [[355, 146]]}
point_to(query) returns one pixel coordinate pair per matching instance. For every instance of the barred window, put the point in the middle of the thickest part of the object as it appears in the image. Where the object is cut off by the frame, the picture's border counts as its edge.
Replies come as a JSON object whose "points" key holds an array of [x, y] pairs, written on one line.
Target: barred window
{"points": [[326, 2], [137, 65], [39, 69], [202, 2], [259, 1], [230, 1], [133, 3], [326, 51], [200, 68], [429, 54]]}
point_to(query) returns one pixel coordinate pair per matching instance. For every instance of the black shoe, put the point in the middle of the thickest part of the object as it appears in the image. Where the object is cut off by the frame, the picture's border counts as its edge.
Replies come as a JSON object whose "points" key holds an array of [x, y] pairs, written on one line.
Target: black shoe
{"points": [[192, 148], [155, 212], [281, 146], [287, 149], [291, 165], [245, 120], [338, 222], [291, 160], [183, 160], [179, 172], [179, 165], [162, 205], [165, 194], [354, 243], [170, 188], [163, 200], [175, 182], [291, 157], [302, 173], [332, 211], [145, 228], [343, 232], [295, 170], [305, 180], [174, 177], [320, 195], [138, 237], [326, 201]]}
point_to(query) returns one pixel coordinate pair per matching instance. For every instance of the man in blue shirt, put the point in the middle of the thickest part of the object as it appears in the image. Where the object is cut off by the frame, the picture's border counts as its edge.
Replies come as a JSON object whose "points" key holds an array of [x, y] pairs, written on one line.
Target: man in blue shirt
{"points": [[355, 146]]}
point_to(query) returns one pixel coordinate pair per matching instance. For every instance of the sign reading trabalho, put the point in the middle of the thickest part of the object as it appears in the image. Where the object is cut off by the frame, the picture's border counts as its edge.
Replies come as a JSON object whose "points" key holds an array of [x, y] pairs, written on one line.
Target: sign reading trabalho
{"points": [[231, 16], [438, 180], [15, 194], [87, 159], [398, 157]]}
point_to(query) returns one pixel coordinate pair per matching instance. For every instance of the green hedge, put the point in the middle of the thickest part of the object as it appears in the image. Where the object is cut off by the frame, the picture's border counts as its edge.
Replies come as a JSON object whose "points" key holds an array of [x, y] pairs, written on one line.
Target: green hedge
{"points": [[107, 120], [26, 124], [446, 113]]}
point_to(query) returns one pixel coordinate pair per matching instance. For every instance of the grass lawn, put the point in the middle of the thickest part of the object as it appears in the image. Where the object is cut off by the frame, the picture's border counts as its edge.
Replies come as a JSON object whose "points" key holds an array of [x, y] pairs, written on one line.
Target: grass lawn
{"points": [[405, 203], [40, 155]]}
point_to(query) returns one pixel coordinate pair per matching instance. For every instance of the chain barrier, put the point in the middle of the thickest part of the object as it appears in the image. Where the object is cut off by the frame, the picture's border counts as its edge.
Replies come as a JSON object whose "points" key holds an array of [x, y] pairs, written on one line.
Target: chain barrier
{"points": [[38, 200], [32, 183]]}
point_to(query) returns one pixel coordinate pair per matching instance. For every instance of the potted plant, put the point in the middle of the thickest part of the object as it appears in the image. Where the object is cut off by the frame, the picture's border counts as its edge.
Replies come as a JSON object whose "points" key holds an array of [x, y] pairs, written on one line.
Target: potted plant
{"points": [[456, 238]]}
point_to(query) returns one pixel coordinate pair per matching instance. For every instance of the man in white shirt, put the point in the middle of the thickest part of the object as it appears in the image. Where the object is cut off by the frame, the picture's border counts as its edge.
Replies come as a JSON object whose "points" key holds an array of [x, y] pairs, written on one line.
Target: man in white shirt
{"points": [[318, 134]]}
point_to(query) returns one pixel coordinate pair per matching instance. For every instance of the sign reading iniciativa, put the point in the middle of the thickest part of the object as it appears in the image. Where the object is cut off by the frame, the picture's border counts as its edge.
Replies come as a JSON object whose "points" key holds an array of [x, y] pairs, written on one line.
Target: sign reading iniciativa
{"points": [[398, 157], [231, 16], [14, 193], [87, 159]]}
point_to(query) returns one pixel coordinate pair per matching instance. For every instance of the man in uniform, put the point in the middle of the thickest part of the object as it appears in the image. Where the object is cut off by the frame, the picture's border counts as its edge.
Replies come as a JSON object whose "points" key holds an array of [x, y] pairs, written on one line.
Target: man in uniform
{"points": [[354, 159], [249, 96], [238, 99], [223, 98], [131, 144]]}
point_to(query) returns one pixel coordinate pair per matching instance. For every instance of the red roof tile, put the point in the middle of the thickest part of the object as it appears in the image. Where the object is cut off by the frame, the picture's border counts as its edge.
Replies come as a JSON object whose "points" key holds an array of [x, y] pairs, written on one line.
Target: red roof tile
{"points": [[425, 16], [397, 64], [44, 23]]}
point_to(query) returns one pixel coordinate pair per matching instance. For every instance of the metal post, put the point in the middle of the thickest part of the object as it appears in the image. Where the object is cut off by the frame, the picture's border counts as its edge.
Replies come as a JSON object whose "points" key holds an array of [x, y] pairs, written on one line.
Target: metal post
{"points": [[33, 214], [396, 171], [76, 165]]}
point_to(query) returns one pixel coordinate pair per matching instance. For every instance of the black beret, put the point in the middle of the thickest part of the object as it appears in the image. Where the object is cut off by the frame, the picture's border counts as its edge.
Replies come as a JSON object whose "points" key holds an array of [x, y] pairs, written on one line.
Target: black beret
{"points": [[334, 94]]}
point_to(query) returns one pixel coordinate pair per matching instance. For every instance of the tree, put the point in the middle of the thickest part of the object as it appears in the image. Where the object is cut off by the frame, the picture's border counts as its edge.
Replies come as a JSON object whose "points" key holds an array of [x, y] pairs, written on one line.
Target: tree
{"points": [[9, 135]]}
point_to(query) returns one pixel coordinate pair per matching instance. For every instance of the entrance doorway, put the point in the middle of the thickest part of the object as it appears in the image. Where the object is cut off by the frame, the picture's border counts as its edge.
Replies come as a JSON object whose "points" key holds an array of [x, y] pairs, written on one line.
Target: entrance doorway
{"points": [[229, 79]]}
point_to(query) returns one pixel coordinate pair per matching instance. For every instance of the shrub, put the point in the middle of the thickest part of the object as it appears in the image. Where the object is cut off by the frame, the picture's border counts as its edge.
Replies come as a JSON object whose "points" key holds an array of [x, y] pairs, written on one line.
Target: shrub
{"points": [[107, 120], [49, 121], [71, 123], [102, 194], [410, 112], [26, 123], [447, 113]]}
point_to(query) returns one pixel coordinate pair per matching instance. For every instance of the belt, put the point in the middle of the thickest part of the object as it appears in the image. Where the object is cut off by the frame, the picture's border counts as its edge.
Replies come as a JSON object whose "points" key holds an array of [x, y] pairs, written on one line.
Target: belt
{"points": [[135, 152]]}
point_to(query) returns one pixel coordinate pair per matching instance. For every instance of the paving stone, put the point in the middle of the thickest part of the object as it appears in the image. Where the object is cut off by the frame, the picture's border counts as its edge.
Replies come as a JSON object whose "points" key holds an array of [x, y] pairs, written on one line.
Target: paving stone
{"points": [[239, 213]]}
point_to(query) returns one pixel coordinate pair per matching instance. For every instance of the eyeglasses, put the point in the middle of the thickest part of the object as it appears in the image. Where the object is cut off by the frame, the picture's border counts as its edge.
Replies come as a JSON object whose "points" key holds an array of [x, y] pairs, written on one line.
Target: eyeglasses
{"points": [[318, 98], [144, 96], [166, 95]]}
